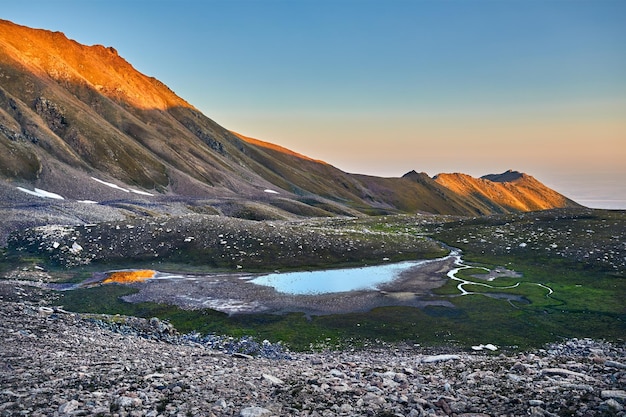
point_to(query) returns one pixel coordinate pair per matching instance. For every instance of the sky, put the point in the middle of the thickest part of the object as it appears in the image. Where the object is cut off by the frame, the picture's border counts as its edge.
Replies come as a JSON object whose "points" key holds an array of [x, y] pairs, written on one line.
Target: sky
{"points": [[385, 87]]}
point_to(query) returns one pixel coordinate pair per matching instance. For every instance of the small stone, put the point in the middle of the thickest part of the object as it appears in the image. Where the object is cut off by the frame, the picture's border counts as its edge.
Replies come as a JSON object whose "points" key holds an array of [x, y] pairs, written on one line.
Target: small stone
{"points": [[337, 373], [372, 398], [440, 358], [221, 403], [514, 378], [566, 373], [127, 402], [536, 412], [242, 356], [458, 406], [76, 248], [272, 379], [416, 412], [45, 311], [611, 403], [613, 364], [254, 412], [473, 415], [616, 394], [346, 408], [102, 411], [68, 407], [519, 367], [597, 359]]}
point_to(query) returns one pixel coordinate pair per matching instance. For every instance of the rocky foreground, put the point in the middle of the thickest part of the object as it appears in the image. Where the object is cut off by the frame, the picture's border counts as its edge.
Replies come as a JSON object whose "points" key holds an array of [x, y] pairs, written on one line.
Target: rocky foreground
{"points": [[57, 363]]}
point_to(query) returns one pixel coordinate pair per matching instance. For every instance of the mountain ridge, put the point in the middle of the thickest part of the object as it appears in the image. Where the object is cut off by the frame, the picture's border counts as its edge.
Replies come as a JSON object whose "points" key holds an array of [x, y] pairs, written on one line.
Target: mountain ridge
{"points": [[70, 112]]}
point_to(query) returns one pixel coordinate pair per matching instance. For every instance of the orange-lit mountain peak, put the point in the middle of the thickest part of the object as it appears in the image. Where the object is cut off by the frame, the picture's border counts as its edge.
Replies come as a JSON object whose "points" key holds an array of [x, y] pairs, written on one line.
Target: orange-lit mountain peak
{"points": [[512, 190], [274, 147], [458, 182], [128, 277], [53, 55]]}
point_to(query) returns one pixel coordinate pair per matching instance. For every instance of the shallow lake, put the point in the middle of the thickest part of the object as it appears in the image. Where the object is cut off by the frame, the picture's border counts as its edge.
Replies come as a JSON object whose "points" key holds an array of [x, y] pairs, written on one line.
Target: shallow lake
{"points": [[335, 280]]}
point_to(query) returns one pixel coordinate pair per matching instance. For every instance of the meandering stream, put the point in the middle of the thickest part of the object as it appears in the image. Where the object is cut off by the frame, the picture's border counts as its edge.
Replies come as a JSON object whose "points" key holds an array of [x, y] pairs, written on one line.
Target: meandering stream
{"points": [[452, 274]]}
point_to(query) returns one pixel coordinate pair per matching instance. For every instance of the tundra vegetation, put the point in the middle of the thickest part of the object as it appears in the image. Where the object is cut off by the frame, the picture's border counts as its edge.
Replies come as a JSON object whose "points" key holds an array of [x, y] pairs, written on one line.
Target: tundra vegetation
{"points": [[569, 281]]}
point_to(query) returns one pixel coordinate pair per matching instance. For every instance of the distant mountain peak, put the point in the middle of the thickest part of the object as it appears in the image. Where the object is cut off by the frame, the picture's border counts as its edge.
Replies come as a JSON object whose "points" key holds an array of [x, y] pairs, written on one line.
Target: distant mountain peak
{"points": [[414, 175], [507, 176], [511, 191]]}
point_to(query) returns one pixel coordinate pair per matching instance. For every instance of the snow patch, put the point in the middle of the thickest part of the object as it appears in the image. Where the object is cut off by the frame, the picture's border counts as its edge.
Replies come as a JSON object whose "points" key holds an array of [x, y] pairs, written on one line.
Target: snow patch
{"points": [[271, 191], [488, 346], [87, 201], [110, 184], [132, 190], [126, 190], [41, 193]]}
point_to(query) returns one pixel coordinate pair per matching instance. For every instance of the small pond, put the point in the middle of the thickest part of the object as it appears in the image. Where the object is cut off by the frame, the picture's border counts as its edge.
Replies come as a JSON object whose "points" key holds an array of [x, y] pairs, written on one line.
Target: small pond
{"points": [[335, 280]]}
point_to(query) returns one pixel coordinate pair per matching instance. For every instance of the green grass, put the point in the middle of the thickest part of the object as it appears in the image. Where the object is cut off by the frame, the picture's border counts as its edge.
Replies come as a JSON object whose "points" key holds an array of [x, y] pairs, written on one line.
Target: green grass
{"points": [[571, 311]]}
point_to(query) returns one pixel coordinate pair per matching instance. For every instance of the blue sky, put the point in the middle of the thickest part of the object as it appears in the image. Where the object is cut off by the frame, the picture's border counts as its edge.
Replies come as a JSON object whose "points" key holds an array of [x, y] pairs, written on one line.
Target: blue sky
{"points": [[384, 87]]}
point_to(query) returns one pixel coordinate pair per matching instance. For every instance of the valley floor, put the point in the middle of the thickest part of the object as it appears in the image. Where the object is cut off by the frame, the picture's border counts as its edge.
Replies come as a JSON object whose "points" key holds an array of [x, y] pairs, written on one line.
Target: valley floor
{"points": [[55, 363]]}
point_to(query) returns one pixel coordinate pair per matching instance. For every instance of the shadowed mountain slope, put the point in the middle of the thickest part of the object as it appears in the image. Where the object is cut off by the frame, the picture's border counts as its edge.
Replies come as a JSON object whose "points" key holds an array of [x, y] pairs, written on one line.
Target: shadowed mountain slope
{"points": [[70, 113]]}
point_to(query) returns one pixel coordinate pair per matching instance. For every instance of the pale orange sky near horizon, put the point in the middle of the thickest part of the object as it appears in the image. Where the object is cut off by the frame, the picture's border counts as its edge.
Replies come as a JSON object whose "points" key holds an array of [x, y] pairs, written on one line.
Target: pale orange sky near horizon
{"points": [[572, 142], [579, 152]]}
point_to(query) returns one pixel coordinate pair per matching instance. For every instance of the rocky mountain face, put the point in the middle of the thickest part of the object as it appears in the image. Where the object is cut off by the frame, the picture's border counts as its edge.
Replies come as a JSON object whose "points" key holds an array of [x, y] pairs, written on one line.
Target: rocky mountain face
{"points": [[71, 113]]}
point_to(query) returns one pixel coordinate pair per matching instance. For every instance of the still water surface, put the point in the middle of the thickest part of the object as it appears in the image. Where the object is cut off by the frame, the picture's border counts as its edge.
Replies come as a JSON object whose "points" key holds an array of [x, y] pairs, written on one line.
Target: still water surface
{"points": [[335, 280]]}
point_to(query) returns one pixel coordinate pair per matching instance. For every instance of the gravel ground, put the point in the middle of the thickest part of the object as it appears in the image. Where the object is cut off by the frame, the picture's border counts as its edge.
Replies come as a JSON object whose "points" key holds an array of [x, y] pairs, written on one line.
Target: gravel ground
{"points": [[56, 363]]}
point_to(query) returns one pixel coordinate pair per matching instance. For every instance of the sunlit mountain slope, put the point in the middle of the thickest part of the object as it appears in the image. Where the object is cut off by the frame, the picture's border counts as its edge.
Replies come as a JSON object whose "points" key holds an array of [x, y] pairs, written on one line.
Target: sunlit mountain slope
{"points": [[70, 113]]}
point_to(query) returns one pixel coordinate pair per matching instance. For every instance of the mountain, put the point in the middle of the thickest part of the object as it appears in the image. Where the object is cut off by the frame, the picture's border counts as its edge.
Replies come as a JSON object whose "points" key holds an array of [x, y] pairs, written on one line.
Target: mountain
{"points": [[510, 191], [79, 122]]}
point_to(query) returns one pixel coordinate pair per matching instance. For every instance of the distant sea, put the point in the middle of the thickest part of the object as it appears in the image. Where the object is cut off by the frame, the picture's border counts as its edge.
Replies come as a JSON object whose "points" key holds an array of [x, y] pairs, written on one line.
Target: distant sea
{"points": [[602, 204], [599, 191]]}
